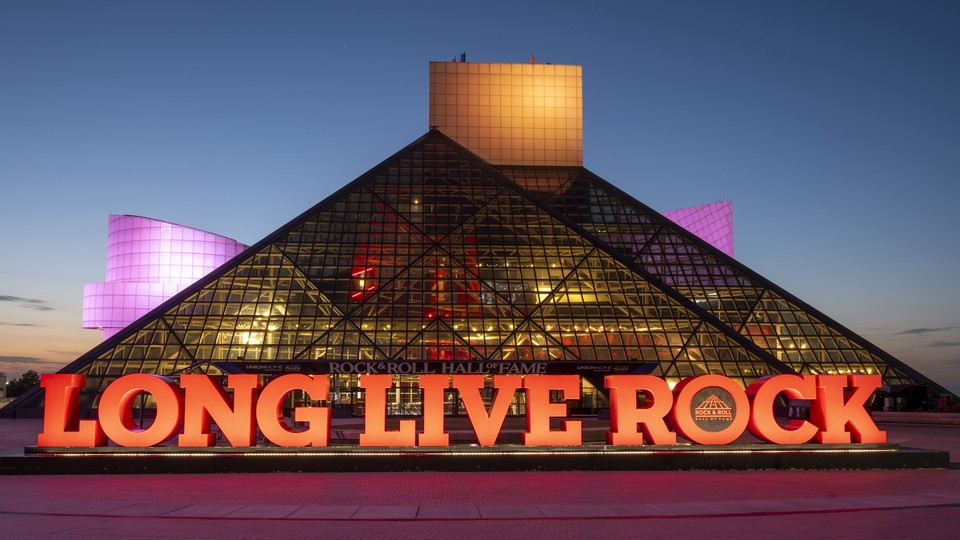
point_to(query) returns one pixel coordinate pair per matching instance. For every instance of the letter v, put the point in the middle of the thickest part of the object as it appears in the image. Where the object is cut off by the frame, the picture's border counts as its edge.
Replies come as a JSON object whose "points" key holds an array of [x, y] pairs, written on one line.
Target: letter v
{"points": [[486, 425]]}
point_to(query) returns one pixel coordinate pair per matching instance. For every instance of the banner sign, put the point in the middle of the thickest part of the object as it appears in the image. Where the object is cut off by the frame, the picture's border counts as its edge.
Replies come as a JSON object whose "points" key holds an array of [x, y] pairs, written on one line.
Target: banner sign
{"points": [[706, 409], [445, 368]]}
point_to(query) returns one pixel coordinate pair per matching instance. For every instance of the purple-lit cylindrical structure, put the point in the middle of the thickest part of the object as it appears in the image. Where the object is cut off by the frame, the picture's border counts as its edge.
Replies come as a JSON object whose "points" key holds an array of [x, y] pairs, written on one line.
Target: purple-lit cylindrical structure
{"points": [[148, 261]]}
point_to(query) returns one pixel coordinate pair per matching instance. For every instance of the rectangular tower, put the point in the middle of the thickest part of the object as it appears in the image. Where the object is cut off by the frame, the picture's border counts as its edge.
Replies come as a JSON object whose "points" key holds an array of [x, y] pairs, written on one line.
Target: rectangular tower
{"points": [[510, 114]]}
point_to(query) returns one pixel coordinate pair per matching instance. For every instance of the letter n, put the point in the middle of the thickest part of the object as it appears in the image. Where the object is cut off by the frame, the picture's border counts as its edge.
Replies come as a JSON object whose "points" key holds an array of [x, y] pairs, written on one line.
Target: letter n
{"points": [[205, 398]]}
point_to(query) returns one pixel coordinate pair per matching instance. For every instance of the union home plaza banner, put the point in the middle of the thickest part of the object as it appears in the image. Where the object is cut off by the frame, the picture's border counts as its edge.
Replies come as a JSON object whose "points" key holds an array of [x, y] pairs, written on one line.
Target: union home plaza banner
{"points": [[706, 409]]}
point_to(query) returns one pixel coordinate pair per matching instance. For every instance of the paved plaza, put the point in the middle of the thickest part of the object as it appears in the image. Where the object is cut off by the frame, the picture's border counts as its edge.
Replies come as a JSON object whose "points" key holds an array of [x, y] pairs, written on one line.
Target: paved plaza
{"points": [[685, 504]]}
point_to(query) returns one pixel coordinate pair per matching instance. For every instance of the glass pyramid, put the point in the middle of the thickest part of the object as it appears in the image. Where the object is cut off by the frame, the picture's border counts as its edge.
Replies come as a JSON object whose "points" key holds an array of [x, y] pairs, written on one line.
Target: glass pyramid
{"points": [[435, 255]]}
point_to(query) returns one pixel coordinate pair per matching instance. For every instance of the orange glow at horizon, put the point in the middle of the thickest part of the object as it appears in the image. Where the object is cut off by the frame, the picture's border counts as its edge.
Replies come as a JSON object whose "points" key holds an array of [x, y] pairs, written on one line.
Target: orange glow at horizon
{"points": [[48, 342]]}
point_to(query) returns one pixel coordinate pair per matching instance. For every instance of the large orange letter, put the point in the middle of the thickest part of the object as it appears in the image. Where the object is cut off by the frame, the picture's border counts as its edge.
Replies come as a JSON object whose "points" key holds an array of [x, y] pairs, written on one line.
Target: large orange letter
{"points": [[61, 413], [433, 387], [116, 410], [628, 424], [486, 426], [375, 416], [710, 409], [206, 399], [841, 416], [270, 413], [763, 392], [540, 410]]}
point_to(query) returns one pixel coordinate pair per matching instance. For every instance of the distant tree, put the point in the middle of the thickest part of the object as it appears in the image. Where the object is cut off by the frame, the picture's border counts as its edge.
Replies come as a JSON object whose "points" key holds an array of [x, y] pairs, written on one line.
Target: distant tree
{"points": [[19, 385]]}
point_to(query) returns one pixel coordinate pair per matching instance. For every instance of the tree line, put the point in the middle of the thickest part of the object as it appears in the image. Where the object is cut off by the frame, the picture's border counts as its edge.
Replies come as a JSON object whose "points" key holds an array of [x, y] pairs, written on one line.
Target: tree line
{"points": [[18, 385]]}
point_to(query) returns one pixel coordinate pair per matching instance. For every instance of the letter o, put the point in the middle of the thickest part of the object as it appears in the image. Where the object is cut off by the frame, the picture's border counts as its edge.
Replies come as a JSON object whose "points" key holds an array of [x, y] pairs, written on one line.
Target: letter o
{"points": [[116, 411], [682, 414]]}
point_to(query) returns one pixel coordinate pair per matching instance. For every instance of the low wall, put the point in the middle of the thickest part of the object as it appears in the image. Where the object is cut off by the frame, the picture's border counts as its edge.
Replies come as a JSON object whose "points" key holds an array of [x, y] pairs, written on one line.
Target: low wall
{"points": [[950, 419]]}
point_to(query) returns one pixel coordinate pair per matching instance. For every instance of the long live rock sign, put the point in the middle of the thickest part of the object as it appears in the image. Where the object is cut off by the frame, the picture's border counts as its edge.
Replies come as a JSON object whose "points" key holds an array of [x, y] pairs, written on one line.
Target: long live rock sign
{"points": [[838, 415]]}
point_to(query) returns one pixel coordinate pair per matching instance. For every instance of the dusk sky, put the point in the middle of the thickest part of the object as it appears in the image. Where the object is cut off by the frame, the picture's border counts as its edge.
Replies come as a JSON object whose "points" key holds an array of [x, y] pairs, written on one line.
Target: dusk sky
{"points": [[833, 126]]}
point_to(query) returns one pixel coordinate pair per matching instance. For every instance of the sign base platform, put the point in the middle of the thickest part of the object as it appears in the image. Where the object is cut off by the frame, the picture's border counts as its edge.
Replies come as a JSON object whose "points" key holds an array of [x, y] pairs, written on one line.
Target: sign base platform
{"points": [[264, 459]]}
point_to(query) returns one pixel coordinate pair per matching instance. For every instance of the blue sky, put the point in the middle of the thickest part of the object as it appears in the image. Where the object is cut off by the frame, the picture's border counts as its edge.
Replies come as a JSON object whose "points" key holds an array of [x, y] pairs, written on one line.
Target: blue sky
{"points": [[834, 127]]}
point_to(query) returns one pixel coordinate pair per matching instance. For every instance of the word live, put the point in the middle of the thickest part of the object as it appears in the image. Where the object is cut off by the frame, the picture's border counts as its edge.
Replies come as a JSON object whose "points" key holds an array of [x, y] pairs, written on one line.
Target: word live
{"points": [[706, 409]]}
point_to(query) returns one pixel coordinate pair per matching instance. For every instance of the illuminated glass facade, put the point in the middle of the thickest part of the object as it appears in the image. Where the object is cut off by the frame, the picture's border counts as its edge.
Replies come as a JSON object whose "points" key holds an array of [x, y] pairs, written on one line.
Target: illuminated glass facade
{"points": [[149, 261], [440, 257], [434, 256]]}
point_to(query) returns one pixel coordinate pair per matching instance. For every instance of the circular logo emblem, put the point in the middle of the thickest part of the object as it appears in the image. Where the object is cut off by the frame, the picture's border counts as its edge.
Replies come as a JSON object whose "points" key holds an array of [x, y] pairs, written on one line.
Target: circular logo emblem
{"points": [[713, 409]]}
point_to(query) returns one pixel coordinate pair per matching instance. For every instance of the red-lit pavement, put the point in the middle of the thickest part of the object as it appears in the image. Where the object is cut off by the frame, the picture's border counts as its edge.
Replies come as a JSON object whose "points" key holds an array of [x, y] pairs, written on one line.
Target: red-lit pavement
{"points": [[756, 504]]}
